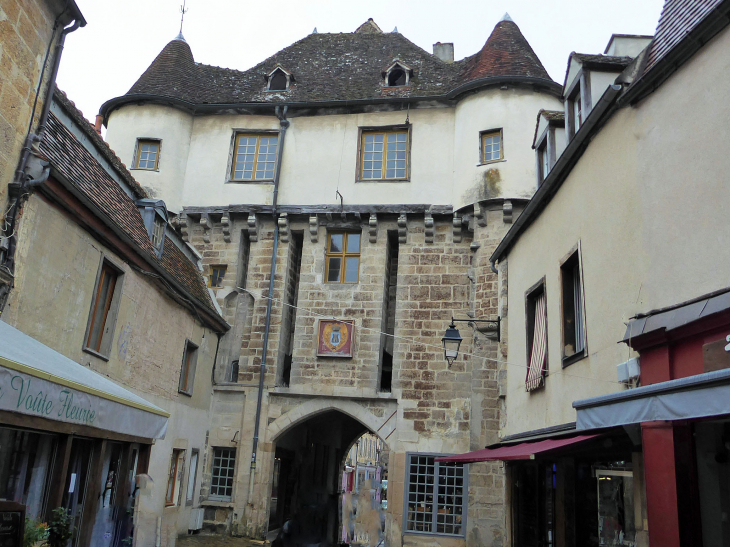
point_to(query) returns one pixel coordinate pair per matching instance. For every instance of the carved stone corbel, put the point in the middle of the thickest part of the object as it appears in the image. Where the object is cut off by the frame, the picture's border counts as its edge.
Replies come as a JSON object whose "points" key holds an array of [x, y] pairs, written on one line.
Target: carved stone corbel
{"points": [[507, 212], [480, 214], [457, 228], [184, 223], [402, 228], [253, 227], [313, 228], [373, 227], [428, 227], [226, 226], [205, 223], [283, 222]]}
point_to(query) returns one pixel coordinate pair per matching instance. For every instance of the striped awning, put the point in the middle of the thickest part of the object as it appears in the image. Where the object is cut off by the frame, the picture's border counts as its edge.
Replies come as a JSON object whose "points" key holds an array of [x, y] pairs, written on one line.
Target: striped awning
{"points": [[538, 355]]}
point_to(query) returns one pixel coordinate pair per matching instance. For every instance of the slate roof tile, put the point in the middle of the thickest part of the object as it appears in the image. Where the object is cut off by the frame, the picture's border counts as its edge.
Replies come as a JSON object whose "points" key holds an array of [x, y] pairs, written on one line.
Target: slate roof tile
{"points": [[337, 67]]}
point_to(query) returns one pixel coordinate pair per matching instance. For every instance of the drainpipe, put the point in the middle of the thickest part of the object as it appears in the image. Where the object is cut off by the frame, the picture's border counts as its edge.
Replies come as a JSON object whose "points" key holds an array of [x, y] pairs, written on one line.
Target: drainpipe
{"points": [[8, 260], [284, 124]]}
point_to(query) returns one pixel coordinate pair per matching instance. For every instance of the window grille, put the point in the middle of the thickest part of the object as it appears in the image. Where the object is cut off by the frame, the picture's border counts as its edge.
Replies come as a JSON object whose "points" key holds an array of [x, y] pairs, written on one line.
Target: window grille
{"points": [[221, 481]]}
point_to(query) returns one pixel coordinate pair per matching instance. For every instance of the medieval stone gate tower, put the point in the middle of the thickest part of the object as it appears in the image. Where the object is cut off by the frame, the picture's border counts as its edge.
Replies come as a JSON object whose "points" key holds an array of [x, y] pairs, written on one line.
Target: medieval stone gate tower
{"points": [[381, 177]]}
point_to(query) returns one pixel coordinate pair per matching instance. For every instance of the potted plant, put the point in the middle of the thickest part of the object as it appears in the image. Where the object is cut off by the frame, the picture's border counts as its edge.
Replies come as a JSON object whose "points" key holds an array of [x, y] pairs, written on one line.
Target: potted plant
{"points": [[60, 528]]}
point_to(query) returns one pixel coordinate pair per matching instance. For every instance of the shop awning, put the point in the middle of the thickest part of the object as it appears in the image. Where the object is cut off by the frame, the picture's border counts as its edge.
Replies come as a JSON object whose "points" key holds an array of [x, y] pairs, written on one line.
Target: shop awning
{"points": [[523, 451], [700, 396], [39, 381]]}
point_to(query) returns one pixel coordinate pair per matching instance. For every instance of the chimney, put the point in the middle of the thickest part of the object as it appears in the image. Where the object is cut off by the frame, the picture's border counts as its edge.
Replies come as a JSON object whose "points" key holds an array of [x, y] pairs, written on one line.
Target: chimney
{"points": [[97, 125], [445, 52]]}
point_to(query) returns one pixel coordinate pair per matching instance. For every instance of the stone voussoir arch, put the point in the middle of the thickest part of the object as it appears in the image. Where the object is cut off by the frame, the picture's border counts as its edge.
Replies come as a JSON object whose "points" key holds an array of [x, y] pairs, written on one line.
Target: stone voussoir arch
{"points": [[382, 427]]}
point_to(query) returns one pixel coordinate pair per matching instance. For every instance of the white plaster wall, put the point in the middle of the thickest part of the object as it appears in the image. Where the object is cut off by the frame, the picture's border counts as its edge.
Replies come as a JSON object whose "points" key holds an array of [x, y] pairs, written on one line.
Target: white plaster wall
{"points": [[173, 127], [514, 110], [649, 202], [599, 83], [320, 153]]}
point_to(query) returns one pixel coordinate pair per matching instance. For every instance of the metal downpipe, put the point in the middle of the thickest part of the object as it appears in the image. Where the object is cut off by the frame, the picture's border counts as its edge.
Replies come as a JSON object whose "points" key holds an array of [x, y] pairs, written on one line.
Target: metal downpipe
{"points": [[284, 124]]}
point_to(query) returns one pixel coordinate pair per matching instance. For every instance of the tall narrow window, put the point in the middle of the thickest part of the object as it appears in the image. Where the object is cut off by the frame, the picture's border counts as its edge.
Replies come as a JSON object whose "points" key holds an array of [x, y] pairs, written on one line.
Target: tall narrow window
{"points": [[384, 155], [343, 258], [536, 338], [192, 473], [148, 153], [436, 496], [577, 112], [543, 161], [491, 146], [187, 371], [221, 479], [174, 480], [103, 310], [254, 157], [573, 317]]}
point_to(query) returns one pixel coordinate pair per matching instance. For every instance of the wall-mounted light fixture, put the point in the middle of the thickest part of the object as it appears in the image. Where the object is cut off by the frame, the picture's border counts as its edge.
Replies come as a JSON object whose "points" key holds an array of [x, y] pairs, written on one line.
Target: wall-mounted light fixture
{"points": [[452, 339]]}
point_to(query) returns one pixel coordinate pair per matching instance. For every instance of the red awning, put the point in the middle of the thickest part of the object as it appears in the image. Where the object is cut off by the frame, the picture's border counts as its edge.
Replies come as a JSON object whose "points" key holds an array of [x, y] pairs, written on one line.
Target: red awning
{"points": [[524, 451]]}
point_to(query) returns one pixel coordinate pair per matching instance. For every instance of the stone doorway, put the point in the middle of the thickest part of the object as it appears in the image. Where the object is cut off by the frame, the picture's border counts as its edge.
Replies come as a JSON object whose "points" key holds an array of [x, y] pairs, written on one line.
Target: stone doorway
{"points": [[308, 494]]}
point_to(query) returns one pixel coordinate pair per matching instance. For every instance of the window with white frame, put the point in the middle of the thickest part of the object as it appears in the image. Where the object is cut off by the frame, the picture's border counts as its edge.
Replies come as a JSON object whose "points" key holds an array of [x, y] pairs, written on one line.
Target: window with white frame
{"points": [[222, 476], [436, 496], [573, 316]]}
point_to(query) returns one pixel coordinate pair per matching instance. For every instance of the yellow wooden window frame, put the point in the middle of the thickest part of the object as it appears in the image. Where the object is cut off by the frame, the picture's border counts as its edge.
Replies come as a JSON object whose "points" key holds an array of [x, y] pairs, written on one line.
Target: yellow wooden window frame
{"points": [[140, 144], [343, 255], [254, 172], [213, 269], [486, 135], [387, 135]]}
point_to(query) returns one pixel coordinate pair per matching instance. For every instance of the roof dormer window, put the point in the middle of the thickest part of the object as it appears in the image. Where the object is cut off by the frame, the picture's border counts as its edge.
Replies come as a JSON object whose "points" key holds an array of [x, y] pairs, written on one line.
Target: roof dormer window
{"points": [[397, 75], [154, 216], [278, 80]]}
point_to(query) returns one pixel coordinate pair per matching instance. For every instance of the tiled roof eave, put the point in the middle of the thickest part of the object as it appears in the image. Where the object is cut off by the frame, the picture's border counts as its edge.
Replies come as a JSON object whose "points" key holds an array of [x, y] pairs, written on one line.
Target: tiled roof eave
{"points": [[547, 85], [205, 308]]}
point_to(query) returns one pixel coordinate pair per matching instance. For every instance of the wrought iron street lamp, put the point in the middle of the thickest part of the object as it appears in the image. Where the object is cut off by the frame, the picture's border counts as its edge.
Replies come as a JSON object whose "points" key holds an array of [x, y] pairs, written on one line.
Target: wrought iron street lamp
{"points": [[452, 339]]}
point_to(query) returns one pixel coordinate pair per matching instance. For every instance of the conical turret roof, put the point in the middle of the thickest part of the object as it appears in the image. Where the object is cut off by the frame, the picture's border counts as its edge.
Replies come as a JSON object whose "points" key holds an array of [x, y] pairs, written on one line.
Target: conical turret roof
{"points": [[506, 53], [172, 67]]}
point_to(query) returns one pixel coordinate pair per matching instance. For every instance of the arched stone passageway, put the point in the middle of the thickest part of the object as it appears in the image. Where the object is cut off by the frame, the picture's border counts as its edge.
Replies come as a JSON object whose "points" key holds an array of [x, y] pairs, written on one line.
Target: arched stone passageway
{"points": [[307, 476]]}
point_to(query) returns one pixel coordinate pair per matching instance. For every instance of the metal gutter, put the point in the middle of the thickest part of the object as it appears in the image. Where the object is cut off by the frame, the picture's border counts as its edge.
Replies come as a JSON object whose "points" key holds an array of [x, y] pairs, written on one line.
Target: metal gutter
{"points": [[706, 379], [567, 160], [109, 106]]}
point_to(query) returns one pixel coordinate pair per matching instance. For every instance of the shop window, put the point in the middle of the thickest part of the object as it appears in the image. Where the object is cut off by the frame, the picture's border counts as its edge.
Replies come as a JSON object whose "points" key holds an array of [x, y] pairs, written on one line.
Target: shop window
{"points": [[573, 316], [174, 480], [25, 462], [222, 476], [615, 507], [436, 496], [192, 477], [254, 157], [104, 308], [536, 309], [148, 154], [343, 258], [215, 278], [384, 155], [187, 372], [491, 146]]}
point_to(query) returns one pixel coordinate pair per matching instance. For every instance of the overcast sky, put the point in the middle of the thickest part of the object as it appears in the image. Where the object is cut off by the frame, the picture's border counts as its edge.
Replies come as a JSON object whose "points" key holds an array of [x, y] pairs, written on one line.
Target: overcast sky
{"points": [[104, 59]]}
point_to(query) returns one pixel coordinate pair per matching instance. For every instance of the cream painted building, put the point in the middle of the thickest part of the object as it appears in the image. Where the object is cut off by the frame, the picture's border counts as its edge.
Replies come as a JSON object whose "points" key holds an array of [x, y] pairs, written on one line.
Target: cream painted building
{"points": [[375, 179], [110, 307], [627, 228]]}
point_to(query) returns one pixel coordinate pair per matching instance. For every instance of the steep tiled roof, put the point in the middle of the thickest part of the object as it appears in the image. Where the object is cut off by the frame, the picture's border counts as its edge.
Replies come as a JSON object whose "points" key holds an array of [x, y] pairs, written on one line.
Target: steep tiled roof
{"points": [[337, 67], [506, 53], [678, 18], [80, 169]]}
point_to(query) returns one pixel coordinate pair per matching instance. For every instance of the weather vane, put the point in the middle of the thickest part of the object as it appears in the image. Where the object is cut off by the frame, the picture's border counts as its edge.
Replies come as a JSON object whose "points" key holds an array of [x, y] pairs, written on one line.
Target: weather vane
{"points": [[183, 11]]}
